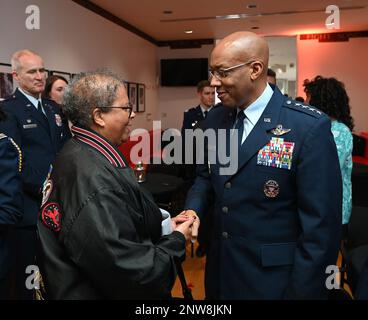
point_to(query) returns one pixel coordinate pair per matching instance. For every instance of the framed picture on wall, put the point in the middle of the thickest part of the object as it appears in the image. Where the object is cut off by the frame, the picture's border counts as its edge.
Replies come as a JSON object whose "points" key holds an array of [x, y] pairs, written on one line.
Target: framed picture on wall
{"points": [[66, 75], [141, 98], [6, 80], [132, 94]]}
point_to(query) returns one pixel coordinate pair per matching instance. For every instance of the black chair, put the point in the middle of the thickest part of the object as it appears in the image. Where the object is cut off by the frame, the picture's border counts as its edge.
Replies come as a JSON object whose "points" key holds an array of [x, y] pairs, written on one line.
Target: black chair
{"points": [[359, 182], [355, 252], [358, 145]]}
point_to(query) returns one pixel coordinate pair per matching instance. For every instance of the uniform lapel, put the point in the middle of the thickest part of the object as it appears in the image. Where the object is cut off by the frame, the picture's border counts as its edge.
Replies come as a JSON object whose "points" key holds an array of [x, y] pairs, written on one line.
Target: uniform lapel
{"points": [[32, 110], [227, 124], [199, 113], [259, 136], [51, 120]]}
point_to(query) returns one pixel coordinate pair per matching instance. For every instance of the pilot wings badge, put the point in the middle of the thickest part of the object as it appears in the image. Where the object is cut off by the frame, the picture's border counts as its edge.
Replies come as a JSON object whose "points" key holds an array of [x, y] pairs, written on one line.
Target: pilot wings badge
{"points": [[279, 130]]}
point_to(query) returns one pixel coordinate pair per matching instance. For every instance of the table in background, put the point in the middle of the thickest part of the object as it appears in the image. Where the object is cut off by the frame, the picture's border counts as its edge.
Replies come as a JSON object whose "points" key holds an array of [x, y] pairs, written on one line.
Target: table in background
{"points": [[168, 191]]}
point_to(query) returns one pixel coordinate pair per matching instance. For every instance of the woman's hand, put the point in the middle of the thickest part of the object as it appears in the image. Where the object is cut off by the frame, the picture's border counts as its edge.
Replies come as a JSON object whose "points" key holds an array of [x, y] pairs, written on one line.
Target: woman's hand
{"points": [[186, 228], [183, 217]]}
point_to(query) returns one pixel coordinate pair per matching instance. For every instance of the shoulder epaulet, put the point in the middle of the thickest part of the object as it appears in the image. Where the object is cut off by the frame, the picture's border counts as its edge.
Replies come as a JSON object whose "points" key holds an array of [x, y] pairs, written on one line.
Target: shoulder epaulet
{"points": [[302, 107], [9, 98], [190, 109], [48, 100], [20, 157]]}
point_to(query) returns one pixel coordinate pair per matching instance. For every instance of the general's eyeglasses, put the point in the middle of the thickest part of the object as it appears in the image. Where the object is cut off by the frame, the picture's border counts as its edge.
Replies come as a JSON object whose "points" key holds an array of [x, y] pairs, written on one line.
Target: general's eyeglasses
{"points": [[223, 73], [128, 107]]}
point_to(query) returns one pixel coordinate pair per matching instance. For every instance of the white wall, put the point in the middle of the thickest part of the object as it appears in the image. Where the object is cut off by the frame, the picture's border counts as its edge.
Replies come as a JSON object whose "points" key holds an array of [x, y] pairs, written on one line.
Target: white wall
{"points": [[173, 101], [347, 61], [74, 39]]}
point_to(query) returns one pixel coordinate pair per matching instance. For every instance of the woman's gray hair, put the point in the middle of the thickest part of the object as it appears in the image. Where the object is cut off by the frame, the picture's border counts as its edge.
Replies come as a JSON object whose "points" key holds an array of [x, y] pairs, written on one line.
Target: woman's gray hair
{"points": [[97, 89]]}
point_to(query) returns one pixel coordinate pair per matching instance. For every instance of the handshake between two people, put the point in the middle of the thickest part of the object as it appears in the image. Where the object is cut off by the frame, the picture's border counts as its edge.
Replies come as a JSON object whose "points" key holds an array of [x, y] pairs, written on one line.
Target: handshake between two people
{"points": [[187, 222]]}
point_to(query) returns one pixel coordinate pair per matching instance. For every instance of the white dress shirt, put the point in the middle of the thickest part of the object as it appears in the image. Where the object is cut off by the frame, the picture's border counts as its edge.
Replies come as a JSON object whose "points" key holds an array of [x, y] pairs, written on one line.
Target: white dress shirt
{"points": [[254, 111]]}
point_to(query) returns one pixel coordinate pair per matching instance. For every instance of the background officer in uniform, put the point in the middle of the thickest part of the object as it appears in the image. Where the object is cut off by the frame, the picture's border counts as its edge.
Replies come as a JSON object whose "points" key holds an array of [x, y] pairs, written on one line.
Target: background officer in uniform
{"points": [[11, 203], [277, 217], [194, 116], [192, 120], [36, 126]]}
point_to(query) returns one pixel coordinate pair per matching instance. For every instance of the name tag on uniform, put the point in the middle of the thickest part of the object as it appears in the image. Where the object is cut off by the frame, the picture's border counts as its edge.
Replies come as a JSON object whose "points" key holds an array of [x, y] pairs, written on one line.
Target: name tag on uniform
{"points": [[277, 154], [30, 126]]}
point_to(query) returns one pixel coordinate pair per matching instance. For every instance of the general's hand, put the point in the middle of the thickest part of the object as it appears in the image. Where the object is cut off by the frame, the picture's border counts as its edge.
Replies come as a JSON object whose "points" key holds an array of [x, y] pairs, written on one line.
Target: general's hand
{"points": [[180, 218], [186, 228], [196, 223]]}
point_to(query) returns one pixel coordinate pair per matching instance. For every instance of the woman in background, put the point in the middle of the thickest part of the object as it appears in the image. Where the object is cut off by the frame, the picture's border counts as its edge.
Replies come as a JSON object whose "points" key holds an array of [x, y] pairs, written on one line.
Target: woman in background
{"points": [[54, 88], [329, 95]]}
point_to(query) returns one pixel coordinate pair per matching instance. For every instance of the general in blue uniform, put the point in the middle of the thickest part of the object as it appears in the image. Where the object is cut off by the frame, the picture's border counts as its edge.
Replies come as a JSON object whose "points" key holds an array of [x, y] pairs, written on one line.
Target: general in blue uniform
{"points": [[277, 217]]}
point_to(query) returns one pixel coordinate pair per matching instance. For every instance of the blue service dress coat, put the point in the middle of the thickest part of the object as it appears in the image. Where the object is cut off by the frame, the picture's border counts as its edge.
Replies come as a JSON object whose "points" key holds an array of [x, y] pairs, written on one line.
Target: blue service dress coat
{"points": [[11, 199], [40, 139], [192, 118], [277, 219]]}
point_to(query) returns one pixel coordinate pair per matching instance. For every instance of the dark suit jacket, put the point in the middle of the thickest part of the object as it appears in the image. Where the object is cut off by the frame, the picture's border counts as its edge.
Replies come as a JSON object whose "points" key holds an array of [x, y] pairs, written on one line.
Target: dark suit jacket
{"points": [[277, 247], [39, 139]]}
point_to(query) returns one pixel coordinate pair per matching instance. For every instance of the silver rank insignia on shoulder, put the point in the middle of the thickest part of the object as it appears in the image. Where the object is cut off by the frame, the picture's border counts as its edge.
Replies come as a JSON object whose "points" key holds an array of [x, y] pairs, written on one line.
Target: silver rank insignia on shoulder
{"points": [[279, 130]]}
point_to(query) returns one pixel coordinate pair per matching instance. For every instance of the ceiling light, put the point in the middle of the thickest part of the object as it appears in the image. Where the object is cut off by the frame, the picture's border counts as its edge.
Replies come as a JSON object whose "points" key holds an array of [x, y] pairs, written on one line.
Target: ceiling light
{"points": [[188, 31], [167, 12], [230, 16], [251, 6], [254, 28]]}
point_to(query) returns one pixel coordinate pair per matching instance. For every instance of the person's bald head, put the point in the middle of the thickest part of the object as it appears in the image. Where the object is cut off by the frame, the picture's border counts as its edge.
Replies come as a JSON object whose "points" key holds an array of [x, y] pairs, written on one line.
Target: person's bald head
{"points": [[245, 83], [244, 46]]}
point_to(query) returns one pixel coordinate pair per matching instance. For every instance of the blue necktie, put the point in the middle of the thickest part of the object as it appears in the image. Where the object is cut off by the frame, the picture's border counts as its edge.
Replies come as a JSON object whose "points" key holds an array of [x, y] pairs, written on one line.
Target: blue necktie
{"points": [[205, 114], [240, 126]]}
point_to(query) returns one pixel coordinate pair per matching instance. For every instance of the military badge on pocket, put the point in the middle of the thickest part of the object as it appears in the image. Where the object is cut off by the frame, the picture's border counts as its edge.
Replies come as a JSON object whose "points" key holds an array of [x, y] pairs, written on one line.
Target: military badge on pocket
{"points": [[271, 189]]}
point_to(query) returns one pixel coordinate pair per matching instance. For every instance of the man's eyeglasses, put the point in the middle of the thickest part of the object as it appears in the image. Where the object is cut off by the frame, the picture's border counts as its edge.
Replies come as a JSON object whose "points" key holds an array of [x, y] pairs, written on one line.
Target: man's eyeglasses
{"points": [[128, 107], [223, 73]]}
